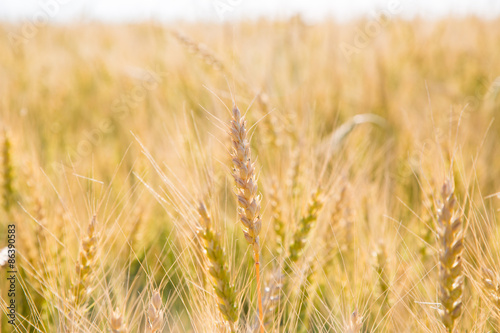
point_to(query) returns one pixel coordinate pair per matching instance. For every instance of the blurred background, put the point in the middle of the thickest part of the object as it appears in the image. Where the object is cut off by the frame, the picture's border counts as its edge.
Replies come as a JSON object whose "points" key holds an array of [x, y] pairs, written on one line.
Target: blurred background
{"points": [[193, 10]]}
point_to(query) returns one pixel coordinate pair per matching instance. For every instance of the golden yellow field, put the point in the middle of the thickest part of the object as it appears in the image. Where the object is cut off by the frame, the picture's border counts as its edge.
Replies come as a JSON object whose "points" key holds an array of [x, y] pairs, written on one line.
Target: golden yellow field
{"points": [[360, 170]]}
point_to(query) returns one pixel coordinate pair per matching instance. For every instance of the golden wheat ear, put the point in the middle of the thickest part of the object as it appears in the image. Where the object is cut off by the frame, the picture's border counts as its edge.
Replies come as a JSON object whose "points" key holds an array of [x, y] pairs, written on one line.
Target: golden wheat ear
{"points": [[355, 323], [84, 266], [277, 217], [451, 243], [247, 194], [155, 314], [200, 50], [490, 282], [116, 322], [305, 224], [8, 174], [381, 268]]}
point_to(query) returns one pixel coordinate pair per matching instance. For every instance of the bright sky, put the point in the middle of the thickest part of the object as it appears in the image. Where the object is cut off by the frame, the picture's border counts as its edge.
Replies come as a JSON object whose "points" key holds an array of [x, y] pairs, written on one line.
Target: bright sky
{"points": [[220, 10]]}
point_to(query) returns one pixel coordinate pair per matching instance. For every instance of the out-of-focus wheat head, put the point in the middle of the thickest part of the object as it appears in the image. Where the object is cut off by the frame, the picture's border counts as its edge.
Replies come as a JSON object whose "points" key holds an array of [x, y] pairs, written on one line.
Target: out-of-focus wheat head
{"points": [[490, 282], [218, 269], [8, 173], [116, 322], [451, 245], [305, 224], [155, 314], [86, 259], [277, 216], [355, 323], [383, 277]]}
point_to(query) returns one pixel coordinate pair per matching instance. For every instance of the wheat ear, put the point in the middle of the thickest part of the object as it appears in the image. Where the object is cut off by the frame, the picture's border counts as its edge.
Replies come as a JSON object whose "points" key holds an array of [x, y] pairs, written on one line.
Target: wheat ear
{"points": [[272, 296], [246, 191], [383, 278], [305, 225], [332, 228], [116, 323], [199, 49], [155, 314], [355, 323], [8, 174], [218, 269], [491, 284], [451, 239], [277, 216], [84, 265]]}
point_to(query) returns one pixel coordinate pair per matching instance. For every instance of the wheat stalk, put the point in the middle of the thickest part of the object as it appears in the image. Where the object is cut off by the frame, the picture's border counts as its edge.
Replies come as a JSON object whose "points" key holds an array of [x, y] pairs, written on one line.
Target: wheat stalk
{"points": [[451, 239], [218, 269], [246, 191]]}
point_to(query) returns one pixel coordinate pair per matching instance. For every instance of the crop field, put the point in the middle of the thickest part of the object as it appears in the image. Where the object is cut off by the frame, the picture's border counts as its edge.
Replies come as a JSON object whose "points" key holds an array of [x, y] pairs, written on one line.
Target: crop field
{"points": [[255, 176]]}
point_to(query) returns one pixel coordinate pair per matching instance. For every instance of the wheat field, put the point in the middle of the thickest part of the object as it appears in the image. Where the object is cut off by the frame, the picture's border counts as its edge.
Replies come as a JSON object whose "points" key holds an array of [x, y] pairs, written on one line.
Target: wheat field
{"points": [[258, 176]]}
